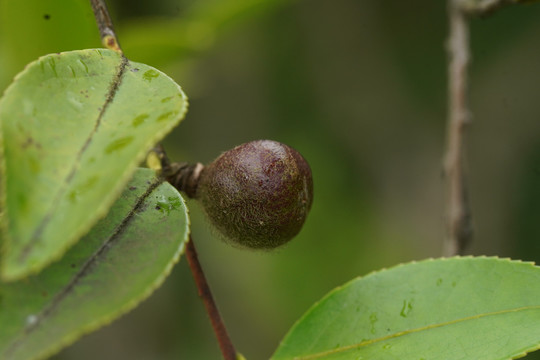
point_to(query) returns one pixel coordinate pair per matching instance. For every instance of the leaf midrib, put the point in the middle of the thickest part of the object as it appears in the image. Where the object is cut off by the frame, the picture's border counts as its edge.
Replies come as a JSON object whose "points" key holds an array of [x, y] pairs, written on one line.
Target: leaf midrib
{"points": [[412, 331], [113, 88], [84, 270]]}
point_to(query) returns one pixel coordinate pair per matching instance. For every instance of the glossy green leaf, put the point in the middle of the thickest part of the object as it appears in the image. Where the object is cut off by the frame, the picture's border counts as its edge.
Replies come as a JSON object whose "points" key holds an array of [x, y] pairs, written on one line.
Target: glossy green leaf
{"points": [[459, 308], [74, 127], [115, 266]]}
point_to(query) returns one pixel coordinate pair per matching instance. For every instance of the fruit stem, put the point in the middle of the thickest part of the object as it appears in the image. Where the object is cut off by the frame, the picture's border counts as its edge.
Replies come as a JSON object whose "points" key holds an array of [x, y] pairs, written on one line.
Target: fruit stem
{"points": [[185, 177], [227, 348], [182, 175]]}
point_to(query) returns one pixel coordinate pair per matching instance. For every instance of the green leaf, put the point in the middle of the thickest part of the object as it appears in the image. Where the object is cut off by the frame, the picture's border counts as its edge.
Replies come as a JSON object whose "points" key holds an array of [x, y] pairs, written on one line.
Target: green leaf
{"points": [[459, 308], [74, 127], [118, 264]]}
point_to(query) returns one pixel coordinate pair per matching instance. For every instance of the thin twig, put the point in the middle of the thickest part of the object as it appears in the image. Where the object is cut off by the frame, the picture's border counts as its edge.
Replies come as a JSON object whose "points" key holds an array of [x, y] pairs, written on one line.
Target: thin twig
{"points": [[184, 176], [458, 208], [225, 344], [483, 7], [105, 25]]}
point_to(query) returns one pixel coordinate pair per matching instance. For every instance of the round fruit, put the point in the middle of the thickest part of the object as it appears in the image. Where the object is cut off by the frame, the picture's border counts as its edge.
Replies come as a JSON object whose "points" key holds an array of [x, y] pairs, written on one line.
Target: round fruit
{"points": [[258, 194]]}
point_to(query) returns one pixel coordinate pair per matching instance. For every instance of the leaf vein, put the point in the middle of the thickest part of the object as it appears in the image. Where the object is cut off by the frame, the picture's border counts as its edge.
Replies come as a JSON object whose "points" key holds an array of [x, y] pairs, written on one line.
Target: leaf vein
{"points": [[113, 88], [412, 331], [84, 271]]}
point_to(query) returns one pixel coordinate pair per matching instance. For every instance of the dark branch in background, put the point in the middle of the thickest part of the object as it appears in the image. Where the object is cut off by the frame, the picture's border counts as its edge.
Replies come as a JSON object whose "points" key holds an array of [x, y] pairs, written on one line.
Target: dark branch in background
{"points": [[459, 224], [105, 25], [483, 7], [184, 178]]}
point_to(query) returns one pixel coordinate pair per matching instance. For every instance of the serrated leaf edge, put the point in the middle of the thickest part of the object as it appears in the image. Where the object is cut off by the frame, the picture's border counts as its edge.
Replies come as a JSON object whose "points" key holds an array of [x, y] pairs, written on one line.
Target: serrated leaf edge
{"points": [[410, 331], [376, 272], [101, 211], [70, 339], [112, 316]]}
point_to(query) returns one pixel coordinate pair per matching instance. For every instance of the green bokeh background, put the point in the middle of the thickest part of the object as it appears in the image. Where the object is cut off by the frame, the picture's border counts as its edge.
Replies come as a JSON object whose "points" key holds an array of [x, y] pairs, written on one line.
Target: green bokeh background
{"points": [[359, 88]]}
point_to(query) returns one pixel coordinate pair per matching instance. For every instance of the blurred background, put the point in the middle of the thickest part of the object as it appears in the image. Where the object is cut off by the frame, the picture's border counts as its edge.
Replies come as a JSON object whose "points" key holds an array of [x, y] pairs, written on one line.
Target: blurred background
{"points": [[359, 88]]}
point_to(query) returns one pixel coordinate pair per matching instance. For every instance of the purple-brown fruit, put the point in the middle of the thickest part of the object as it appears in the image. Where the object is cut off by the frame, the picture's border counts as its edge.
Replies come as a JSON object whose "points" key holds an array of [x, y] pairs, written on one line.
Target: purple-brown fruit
{"points": [[258, 194]]}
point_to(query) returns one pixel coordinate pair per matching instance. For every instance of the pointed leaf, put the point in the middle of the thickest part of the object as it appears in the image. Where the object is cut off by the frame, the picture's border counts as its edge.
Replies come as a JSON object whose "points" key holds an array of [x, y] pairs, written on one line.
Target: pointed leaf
{"points": [[459, 308], [114, 267], [74, 126]]}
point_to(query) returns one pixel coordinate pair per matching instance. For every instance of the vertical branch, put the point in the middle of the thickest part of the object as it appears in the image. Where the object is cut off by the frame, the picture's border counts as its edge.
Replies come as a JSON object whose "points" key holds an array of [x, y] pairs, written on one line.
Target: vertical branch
{"points": [[459, 226], [185, 177], [482, 7], [182, 176], [225, 344], [105, 25]]}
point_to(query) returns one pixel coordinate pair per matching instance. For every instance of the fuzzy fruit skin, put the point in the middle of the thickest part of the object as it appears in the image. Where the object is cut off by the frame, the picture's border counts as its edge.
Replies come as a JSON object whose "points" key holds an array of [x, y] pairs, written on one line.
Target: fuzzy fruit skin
{"points": [[258, 194]]}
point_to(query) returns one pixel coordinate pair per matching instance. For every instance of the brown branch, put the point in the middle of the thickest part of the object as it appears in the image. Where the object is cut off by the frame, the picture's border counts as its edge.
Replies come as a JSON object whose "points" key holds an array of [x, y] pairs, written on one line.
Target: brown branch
{"points": [[458, 208], [184, 178], [483, 7], [225, 344], [105, 25]]}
